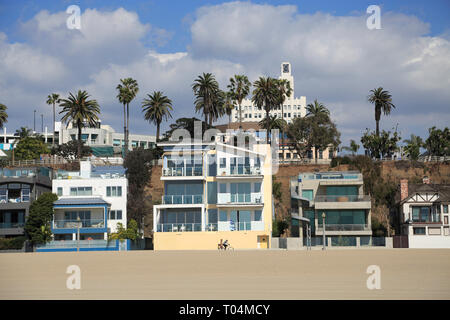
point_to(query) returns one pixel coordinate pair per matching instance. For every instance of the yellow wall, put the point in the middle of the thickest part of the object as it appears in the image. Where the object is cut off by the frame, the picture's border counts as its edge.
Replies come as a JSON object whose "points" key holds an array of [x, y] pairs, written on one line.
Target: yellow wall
{"points": [[207, 240]]}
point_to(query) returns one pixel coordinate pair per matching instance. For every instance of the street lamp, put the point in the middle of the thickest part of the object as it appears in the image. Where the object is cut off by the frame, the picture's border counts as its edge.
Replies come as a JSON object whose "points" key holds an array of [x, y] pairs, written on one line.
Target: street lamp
{"points": [[78, 232], [323, 224]]}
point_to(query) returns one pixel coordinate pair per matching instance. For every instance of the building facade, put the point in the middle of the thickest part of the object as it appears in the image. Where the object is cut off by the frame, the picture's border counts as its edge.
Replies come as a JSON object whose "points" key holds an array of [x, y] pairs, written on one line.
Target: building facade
{"points": [[340, 197], [19, 187], [293, 107], [95, 195], [214, 191], [422, 214]]}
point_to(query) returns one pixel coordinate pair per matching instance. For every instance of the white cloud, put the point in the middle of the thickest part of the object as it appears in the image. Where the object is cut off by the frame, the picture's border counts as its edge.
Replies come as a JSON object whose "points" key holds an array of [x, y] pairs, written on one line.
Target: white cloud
{"points": [[335, 59]]}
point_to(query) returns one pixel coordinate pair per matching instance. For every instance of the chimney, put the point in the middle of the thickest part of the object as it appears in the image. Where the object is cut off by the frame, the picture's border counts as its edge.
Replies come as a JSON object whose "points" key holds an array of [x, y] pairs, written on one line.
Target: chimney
{"points": [[403, 189], [85, 169], [426, 180]]}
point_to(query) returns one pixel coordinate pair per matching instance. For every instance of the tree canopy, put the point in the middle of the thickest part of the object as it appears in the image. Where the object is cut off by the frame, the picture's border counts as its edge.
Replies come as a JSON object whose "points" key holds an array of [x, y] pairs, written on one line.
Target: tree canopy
{"points": [[30, 148], [37, 227]]}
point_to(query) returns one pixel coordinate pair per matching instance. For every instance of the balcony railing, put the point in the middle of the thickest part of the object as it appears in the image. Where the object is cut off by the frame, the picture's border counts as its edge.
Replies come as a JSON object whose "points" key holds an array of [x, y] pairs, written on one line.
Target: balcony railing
{"points": [[183, 172], [241, 226], [178, 227], [182, 199], [83, 223], [8, 225], [240, 171], [342, 198], [343, 227], [226, 198]]}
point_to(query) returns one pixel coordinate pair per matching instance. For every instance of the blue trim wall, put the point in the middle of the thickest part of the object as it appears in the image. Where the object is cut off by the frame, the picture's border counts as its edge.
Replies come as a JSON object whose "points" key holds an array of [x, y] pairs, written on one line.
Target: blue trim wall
{"points": [[107, 248]]}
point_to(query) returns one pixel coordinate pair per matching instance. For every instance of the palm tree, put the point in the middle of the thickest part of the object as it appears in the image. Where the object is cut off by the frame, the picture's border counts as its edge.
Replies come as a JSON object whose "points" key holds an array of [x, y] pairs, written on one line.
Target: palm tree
{"points": [[284, 91], [413, 145], [273, 123], [79, 110], [23, 132], [156, 108], [383, 102], [265, 95], [53, 99], [229, 106], [353, 147], [240, 88], [3, 115], [206, 89], [317, 109], [128, 89]]}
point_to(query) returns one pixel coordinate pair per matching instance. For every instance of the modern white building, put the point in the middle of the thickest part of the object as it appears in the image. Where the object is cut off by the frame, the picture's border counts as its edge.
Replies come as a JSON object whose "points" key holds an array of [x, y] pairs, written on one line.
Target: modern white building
{"points": [[293, 106], [96, 195], [423, 214]]}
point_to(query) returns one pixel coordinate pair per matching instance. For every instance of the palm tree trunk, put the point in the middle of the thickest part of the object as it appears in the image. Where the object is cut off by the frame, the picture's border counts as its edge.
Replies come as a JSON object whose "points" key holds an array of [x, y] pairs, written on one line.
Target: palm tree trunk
{"points": [[128, 125], [157, 131], [315, 153], [124, 130], [240, 116], [377, 120], [54, 117], [282, 131], [267, 126], [79, 139]]}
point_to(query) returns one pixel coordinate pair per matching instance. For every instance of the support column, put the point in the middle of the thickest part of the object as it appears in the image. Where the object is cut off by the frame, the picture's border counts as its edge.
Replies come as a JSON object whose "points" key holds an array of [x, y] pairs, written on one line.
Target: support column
{"points": [[358, 242]]}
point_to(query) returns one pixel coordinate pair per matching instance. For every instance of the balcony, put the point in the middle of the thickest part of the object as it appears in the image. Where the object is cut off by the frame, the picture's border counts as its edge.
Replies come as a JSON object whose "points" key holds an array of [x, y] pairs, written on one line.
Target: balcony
{"points": [[10, 225], [240, 198], [344, 227], [346, 198], [182, 199], [83, 223], [196, 171], [239, 171], [241, 226], [342, 202], [178, 227]]}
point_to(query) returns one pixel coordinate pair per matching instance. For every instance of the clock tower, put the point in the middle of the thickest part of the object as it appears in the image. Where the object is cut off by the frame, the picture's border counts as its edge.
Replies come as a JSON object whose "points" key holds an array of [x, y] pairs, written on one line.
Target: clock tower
{"points": [[286, 74]]}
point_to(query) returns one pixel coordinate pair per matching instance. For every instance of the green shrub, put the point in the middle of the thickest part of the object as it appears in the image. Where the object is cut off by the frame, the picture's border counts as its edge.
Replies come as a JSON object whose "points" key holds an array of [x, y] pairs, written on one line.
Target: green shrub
{"points": [[12, 243]]}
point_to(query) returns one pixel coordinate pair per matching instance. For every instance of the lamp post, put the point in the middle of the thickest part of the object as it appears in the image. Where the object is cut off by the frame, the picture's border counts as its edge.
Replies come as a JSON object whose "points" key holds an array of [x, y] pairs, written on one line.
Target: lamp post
{"points": [[78, 232], [323, 224]]}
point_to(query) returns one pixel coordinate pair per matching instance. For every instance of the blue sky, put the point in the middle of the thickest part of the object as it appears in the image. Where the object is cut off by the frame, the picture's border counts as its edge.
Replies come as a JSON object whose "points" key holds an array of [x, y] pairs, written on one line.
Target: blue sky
{"points": [[166, 44]]}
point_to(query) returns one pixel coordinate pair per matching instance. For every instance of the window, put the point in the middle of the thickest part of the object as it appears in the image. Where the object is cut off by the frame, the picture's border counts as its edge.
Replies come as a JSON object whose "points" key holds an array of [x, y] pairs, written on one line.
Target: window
{"points": [[421, 214], [60, 191], [445, 207], [223, 188], [419, 231], [308, 194], [114, 191], [446, 220], [26, 194], [223, 215], [115, 214], [81, 191], [223, 162], [258, 215]]}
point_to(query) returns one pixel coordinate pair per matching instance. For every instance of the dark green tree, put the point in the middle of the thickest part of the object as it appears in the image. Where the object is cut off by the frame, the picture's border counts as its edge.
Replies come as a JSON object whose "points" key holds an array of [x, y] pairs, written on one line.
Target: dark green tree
{"points": [[30, 148], [239, 89], [382, 100], [206, 91], [37, 227], [438, 142], [69, 150], [266, 96], [383, 145], [3, 115], [128, 88], [138, 164], [156, 108]]}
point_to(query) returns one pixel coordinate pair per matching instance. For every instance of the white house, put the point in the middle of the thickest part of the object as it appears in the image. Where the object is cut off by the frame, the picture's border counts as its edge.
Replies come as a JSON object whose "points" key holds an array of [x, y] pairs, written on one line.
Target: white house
{"points": [[95, 195], [423, 214]]}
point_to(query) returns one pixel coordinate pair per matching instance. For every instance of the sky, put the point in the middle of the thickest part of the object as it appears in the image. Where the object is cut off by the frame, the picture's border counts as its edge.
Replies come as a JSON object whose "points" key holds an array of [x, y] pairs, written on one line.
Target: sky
{"points": [[165, 45]]}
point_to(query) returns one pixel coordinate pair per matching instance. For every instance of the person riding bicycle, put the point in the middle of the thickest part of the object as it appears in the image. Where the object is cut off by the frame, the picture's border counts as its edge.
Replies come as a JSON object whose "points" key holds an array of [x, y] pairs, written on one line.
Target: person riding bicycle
{"points": [[225, 244]]}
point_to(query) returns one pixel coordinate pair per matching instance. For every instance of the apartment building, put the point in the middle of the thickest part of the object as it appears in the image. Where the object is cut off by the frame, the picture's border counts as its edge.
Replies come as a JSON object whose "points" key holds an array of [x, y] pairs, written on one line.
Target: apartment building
{"points": [[422, 214], [293, 106], [214, 191], [340, 198], [19, 187], [94, 198]]}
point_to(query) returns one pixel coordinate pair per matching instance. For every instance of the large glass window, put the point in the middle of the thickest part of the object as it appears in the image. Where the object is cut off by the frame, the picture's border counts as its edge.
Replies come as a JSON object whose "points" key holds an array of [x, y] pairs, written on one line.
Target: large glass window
{"points": [[114, 191], [344, 217], [308, 194], [421, 214], [81, 191], [212, 192]]}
